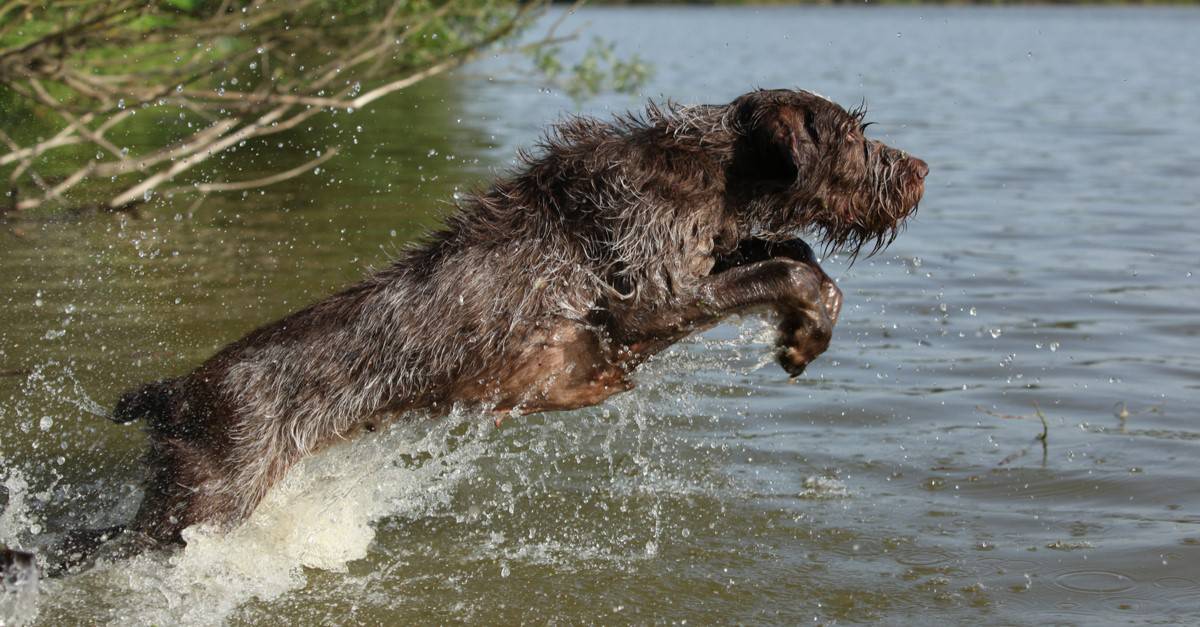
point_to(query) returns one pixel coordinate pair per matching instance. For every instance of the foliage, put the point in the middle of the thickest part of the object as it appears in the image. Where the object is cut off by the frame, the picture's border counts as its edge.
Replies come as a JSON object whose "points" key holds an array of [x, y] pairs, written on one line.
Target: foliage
{"points": [[214, 74], [599, 70]]}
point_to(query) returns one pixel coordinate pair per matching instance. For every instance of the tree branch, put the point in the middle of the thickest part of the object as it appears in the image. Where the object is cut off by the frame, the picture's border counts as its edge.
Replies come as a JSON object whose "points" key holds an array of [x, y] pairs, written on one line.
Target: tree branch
{"points": [[207, 188], [286, 55]]}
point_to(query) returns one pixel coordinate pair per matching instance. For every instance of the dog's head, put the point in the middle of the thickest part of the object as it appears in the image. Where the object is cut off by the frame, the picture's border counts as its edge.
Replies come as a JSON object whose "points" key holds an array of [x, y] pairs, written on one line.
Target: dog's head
{"points": [[803, 163]]}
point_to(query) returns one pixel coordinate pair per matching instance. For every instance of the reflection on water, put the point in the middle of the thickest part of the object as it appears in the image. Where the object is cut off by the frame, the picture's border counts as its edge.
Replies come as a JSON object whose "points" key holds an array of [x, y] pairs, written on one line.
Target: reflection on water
{"points": [[1051, 266]]}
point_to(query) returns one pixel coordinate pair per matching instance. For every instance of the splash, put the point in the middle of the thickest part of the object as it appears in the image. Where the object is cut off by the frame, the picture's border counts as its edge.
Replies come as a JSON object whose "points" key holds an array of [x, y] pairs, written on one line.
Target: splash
{"points": [[325, 515], [319, 517], [14, 519], [18, 594], [821, 488]]}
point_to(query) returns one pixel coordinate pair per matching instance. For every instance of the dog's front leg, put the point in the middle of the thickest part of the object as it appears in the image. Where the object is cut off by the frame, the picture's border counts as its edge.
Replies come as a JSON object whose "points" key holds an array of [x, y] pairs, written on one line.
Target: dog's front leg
{"points": [[753, 250], [797, 291], [800, 293]]}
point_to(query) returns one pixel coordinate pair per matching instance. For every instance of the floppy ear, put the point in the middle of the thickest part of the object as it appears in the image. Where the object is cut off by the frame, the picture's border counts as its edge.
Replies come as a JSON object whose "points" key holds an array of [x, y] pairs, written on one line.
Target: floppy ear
{"points": [[777, 139]]}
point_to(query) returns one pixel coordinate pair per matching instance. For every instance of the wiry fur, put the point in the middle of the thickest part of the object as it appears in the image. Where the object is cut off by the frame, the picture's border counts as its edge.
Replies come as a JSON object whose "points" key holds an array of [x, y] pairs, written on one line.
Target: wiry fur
{"points": [[542, 292]]}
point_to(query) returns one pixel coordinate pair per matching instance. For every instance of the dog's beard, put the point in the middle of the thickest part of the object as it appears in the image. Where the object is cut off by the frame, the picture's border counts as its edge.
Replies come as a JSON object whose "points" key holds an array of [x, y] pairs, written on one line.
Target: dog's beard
{"points": [[864, 223], [874, 214], [871, 230]]}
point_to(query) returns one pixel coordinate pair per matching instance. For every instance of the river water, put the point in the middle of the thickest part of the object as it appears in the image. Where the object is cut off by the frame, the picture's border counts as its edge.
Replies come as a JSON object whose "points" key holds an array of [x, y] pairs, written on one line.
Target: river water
{"points": [[1051, 269]]}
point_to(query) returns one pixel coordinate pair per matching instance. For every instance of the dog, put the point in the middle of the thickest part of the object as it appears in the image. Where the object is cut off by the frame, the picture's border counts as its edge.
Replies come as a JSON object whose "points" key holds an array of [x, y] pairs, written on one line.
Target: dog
{"points": [[543, 292]]}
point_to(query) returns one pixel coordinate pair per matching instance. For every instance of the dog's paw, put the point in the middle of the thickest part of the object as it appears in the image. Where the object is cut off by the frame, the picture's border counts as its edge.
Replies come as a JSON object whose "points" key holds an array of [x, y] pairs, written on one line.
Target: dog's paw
{"points": [[792, 360], [801, 340]]}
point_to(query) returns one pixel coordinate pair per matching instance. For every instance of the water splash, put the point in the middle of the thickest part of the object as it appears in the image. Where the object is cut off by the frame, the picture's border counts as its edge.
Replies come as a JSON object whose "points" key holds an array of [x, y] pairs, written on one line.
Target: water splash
{"points": [[18, 594], [319, 517]]}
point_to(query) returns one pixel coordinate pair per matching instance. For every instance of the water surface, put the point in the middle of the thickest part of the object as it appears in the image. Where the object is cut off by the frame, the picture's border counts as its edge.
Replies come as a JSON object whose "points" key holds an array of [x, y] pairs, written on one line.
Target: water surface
{"points": [[1051, 268]]}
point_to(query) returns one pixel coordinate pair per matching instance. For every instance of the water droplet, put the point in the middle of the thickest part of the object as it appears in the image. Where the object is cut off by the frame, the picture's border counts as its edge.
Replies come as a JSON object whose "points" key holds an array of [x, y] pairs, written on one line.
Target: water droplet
{"points": [[45, 423], [121, 103]]}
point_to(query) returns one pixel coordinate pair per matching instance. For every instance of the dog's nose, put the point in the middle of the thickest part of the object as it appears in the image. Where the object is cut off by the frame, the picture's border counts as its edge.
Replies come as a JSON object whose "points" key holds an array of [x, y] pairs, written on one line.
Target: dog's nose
{"points": [[920, 168]]}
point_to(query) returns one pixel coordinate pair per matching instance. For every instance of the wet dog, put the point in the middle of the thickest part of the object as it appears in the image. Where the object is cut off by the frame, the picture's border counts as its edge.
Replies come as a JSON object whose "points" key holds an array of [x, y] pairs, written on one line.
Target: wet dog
{"points": [[613, 240]]}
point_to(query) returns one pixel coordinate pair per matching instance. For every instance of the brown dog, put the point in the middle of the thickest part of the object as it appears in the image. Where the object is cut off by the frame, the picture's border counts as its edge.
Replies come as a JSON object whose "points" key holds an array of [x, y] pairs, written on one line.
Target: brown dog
{"points": [[544, 292]]}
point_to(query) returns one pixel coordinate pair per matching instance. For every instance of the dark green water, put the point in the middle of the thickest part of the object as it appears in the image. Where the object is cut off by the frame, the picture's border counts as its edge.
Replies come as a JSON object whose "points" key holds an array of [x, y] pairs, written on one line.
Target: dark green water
{"points": [[1052, 265]]}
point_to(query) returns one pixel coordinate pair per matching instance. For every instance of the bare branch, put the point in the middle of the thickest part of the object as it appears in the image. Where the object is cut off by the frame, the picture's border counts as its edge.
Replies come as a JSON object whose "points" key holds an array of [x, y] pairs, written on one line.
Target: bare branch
{"points": [[73, 122], [56, 192], [140, 191], [292, 62], [206, 188], [198, 141]]}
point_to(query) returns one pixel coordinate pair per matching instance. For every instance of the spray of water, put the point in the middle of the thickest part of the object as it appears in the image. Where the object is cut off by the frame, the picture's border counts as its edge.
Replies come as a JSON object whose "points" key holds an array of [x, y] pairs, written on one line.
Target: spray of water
{"points": [[327, 512]]}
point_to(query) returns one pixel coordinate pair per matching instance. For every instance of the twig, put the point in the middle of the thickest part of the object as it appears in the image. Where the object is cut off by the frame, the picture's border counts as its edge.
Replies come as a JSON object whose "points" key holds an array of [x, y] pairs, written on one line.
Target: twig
{"points": [[329, 153], [74, 122], [1043, 437], [1045, 427], [119, 9], [50, 71]]}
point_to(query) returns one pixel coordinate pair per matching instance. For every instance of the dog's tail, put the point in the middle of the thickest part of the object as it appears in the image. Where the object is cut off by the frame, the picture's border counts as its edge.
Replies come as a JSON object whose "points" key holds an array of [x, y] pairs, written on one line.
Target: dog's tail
{"points": [[151, 402]]}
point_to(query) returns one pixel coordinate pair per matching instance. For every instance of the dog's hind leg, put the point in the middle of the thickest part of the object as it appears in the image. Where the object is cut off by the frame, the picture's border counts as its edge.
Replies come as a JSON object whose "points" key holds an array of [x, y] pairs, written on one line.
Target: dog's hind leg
{"points": [[181, 489], [80, 548]]}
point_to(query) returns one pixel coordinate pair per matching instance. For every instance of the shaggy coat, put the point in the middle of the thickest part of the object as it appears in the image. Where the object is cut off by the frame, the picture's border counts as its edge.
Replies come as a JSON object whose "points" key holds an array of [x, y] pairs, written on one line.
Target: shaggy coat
{"points": [[611, 241]]}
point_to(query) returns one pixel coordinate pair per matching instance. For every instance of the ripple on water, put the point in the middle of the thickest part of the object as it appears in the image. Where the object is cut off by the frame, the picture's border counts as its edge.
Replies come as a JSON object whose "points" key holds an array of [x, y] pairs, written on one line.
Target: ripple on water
{"points": [[1095, 582], [924, 556], [1176, 583]]}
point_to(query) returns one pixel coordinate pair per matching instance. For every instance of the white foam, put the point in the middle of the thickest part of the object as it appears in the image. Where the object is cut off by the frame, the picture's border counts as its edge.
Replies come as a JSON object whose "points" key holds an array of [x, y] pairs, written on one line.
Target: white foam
{"points": [[819, 488], [14, 520], [318, 517], [322, 515], [18, 599]]}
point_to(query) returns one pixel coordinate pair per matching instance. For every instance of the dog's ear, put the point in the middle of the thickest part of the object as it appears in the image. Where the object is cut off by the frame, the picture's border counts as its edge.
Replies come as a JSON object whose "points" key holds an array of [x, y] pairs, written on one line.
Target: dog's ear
{"points": [[779, 139]]}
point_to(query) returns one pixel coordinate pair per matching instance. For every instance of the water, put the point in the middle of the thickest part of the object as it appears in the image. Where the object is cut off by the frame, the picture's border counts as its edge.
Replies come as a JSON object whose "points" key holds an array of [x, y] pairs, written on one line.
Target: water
{"points": [[1052, 268]]}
